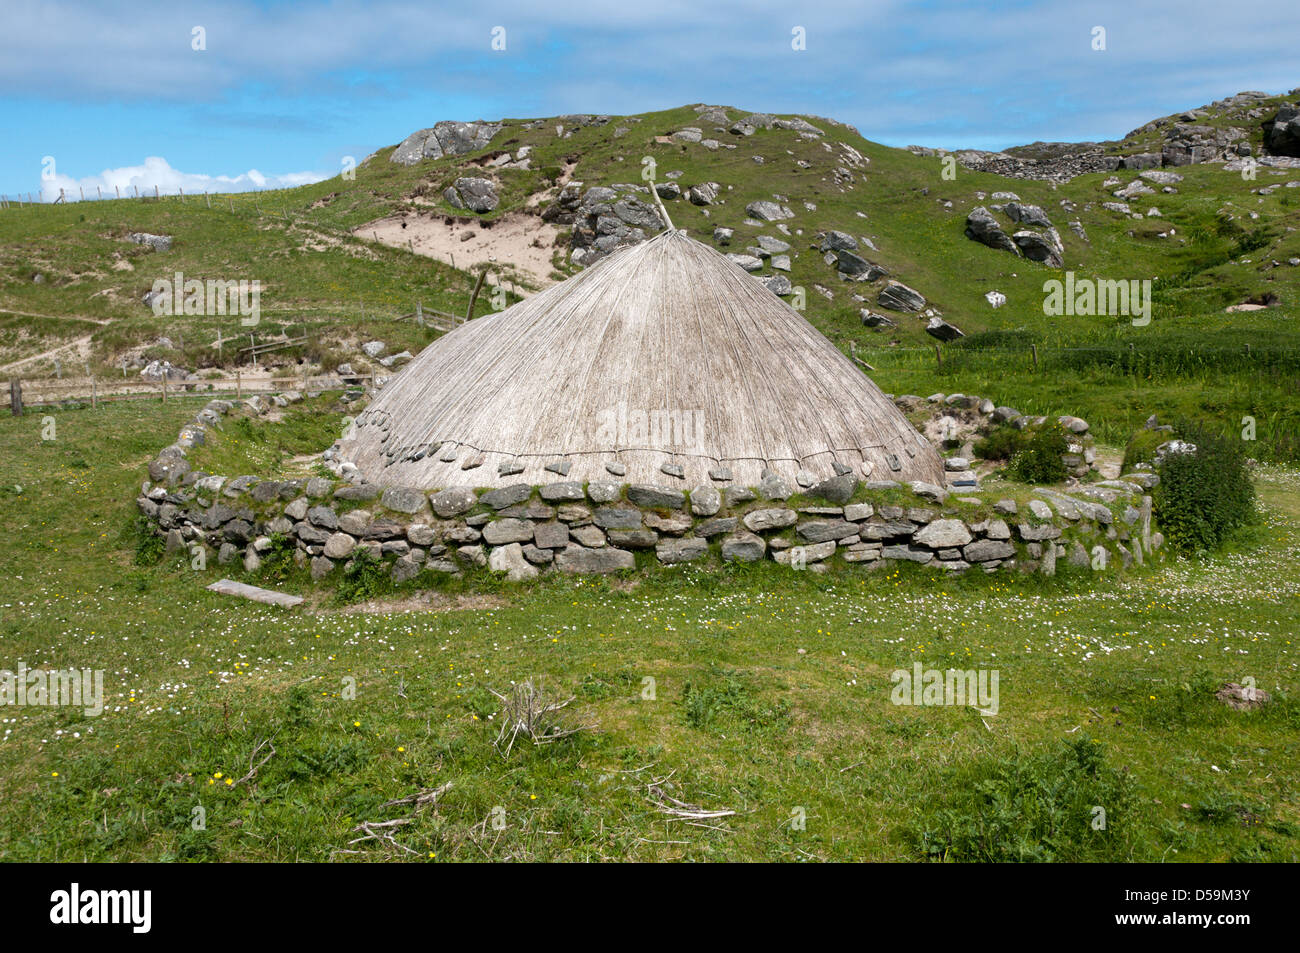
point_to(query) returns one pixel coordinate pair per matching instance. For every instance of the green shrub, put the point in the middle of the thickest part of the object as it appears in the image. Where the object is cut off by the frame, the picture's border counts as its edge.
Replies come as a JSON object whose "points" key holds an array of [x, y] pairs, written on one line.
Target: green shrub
{"points": [[278, 562], [365, 577], [1204, 496], [1040, 459], [1040, 807], [148, 545], [1142, 446], [1001, 443], [724, 700]]}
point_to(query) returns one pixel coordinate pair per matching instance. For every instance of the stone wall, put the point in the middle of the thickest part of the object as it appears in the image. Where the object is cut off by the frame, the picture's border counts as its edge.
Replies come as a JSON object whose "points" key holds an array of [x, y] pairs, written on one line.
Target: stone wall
{"points": [[600, 527]]}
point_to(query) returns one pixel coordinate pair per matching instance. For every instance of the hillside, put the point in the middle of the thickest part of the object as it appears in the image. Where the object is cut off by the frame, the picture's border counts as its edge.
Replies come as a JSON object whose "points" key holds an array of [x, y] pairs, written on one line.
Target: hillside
{"points": [[343, 259]]}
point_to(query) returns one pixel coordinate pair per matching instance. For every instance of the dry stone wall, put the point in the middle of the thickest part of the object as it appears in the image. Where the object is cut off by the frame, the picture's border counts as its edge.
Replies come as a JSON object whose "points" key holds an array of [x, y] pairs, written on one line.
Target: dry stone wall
{"points": [[523, 531]]}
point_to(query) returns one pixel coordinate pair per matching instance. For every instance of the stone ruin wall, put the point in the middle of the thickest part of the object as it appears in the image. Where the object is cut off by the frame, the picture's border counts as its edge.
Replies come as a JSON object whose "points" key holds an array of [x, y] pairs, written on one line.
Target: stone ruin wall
{"points": [[570, 527]]}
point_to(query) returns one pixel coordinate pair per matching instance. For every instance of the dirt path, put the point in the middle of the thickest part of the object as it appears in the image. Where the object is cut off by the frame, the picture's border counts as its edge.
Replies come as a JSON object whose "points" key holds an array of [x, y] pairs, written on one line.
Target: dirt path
{"points": [[57, 317], [82, 344]]}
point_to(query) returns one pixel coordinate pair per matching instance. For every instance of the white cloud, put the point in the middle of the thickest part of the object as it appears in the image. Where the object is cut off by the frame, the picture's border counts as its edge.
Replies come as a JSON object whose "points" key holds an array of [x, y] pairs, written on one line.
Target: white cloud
{"points": [[157, 172]]}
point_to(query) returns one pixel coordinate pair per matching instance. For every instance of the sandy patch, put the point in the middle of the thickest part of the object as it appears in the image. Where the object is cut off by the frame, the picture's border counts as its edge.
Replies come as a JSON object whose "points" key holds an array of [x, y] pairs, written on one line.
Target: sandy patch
{"points": [[522, 242]]}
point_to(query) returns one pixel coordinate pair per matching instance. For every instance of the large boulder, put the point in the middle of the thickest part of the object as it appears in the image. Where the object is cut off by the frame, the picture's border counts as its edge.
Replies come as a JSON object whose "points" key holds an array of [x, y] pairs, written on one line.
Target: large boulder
{"points": [[156, 242], [447, 138], [768, 211], [156, 371], [899, 297], [477, 195], [937, 327], [1037, 246], [984, 228], [1282, 132], [706, 193]]}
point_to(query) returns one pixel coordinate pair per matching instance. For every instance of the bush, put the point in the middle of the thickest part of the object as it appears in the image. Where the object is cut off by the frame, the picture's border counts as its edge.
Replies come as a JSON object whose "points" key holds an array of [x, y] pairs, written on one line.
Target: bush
{"points": [[365, 577], [148, 545], [1204, 496], [1142, 447], [1040, 459], [278, 560], [1001, 443], [1041, 807]]}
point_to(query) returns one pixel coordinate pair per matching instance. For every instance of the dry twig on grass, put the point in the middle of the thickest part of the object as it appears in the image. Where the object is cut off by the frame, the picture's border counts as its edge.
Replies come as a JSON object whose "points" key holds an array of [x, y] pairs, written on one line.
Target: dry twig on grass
{"points": [[530, 712], [665, 803], [252, 768], [383, 830], [420, 799], [380, 831]]}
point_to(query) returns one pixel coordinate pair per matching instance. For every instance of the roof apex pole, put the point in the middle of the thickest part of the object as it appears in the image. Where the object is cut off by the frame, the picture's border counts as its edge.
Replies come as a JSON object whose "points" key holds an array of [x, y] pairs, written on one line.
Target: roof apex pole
{"points": [[662, 211]]}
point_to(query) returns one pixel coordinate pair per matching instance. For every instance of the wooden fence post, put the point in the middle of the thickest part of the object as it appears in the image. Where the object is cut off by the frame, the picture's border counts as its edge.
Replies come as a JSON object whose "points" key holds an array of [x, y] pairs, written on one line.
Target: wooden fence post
{"points": [[164, 387], [94, 393], [239, 384], [1033, 349], [16, 396], [938, 356]]}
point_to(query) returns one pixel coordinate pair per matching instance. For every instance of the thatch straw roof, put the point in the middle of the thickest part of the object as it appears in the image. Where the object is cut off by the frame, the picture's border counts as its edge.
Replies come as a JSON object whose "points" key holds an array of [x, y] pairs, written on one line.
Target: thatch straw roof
{"points": [[664, 363]]}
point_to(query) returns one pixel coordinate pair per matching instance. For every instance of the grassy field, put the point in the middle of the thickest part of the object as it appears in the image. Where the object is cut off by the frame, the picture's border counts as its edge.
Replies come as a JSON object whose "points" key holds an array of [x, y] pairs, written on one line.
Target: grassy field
{"points": [[771, 698]]}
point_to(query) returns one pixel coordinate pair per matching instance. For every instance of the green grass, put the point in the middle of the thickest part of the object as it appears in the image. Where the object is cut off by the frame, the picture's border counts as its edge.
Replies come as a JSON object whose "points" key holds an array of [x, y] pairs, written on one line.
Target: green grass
{"points": [[739, 718]]}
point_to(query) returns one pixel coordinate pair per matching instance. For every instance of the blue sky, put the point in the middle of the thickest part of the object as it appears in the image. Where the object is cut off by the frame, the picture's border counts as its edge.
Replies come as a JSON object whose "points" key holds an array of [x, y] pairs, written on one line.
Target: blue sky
{"points": [[115, 93]]}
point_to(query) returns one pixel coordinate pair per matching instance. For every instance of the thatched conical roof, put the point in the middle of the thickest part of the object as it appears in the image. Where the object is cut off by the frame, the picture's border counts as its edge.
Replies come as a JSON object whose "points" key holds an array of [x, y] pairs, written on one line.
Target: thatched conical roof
{"points": [[664, 363]]}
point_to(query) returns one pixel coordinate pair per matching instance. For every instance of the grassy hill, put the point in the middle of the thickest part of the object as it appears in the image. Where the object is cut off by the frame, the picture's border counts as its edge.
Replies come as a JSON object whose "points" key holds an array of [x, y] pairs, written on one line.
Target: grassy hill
{"points": [[1217, 242]]}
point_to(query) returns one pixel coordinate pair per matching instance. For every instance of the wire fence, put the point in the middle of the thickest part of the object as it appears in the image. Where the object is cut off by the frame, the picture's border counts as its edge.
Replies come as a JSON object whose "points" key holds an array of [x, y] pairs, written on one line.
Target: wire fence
{"points": [[22, 394], [47, 197]]}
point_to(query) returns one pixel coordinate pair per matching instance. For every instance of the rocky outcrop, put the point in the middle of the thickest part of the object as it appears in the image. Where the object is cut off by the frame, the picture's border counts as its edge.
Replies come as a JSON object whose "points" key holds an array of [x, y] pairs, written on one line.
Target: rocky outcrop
{"points": [[446, 138], [1042, 244], [899, 297], [1282, 132], [982, 227], [604, 218], [1189, 144], [474, 194], [158, 243]]}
